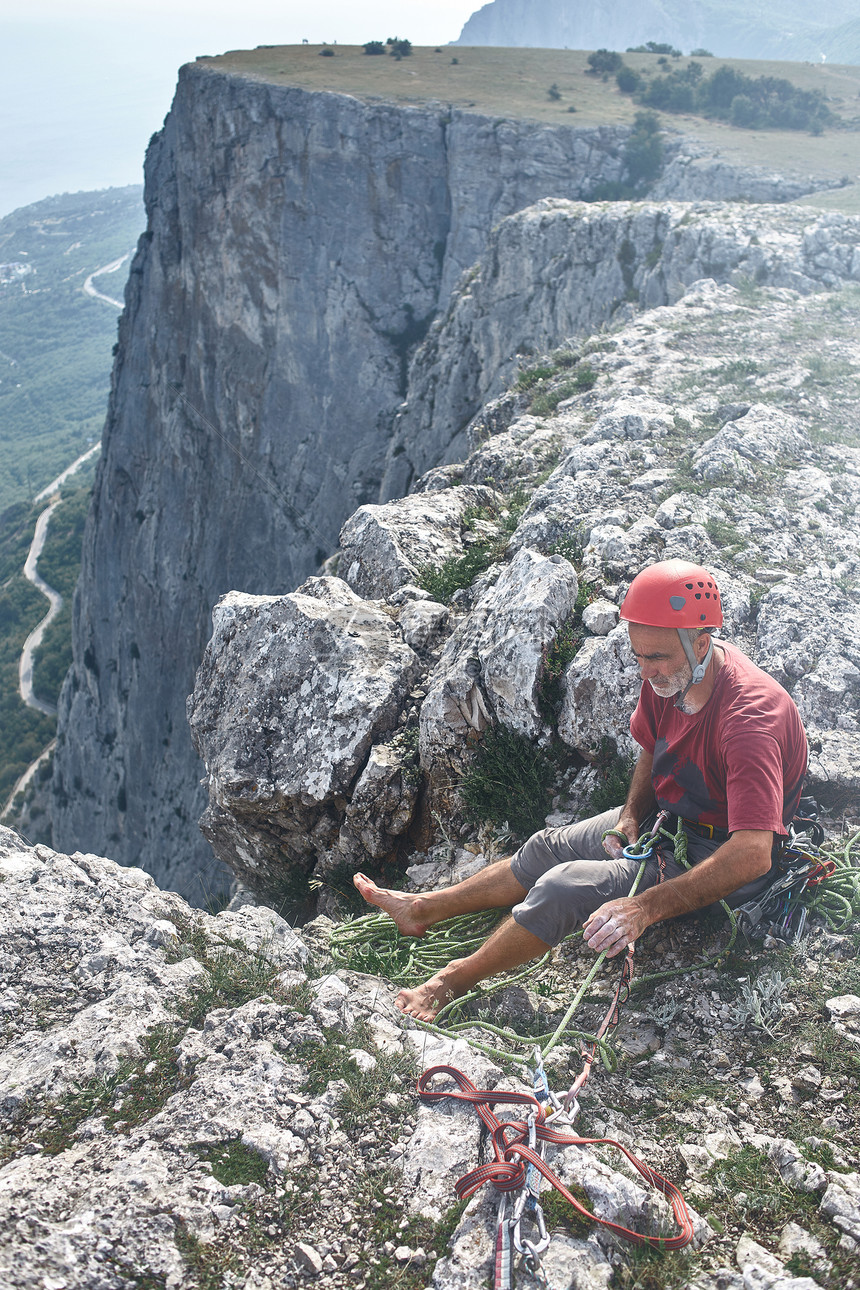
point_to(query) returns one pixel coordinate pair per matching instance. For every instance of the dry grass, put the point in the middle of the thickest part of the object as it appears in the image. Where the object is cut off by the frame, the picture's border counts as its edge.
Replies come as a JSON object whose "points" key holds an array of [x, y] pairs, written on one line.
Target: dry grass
{"points": [[513, 83]]}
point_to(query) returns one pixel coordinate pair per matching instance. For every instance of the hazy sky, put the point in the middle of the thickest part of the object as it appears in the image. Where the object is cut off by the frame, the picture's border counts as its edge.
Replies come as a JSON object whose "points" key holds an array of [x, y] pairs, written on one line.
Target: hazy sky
{"points": [[84, 84]]}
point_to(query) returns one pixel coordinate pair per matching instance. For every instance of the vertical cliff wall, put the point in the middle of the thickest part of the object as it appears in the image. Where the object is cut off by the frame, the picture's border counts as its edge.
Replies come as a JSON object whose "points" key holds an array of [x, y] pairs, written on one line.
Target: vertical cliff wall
{"points": [[298, 245]]}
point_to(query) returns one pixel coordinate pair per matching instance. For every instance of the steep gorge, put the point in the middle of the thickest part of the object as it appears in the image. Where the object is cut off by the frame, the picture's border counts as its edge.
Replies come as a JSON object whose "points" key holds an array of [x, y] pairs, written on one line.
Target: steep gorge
{"points": [[299, 245]]}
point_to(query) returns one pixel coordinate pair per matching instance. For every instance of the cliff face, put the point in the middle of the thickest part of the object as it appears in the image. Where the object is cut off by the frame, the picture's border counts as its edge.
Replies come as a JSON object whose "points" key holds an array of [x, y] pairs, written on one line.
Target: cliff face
{"points": [[298, 245]]}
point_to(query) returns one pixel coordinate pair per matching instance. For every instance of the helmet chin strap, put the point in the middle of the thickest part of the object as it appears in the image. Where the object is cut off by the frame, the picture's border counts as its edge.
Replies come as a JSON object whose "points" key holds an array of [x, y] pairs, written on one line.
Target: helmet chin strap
{"points": [[699, 669]]}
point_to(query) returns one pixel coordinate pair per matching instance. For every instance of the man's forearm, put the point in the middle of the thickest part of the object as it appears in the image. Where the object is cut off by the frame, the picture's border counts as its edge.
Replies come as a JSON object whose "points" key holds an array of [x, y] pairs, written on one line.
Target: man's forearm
{"points": [[742, 859]]}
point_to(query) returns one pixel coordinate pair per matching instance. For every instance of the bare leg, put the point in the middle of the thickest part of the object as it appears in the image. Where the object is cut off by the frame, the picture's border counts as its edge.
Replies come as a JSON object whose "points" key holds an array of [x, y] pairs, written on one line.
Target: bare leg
{"points": [[492, 888], [508, 947]]}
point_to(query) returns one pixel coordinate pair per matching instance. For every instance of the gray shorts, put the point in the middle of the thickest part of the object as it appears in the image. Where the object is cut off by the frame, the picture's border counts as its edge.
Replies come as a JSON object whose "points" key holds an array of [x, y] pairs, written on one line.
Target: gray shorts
{"points": [[567, 875]]}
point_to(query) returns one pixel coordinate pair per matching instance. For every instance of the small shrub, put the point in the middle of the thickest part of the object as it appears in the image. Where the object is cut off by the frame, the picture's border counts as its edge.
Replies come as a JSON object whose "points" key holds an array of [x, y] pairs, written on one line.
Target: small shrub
{"points": [[531, 376], [700, 53], [760, 1003], [545, 402], [585, 377], [325, 52], [628, 80], [399, 48], [456, 573], [374, 47], [604, 60], [553, 92], [509, 782], [555, 659], [572, 546], [615, 771]]}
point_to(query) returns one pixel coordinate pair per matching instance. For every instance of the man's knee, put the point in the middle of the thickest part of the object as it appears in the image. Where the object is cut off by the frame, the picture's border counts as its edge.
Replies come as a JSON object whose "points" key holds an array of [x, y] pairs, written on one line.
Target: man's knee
{"points": [[551, 849], [563, 897]]}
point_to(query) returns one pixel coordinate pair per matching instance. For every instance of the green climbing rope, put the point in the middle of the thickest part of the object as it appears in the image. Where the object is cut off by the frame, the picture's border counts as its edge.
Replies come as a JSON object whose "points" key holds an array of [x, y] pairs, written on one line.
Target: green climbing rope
{"points": [[372, 944], [837, 898]]}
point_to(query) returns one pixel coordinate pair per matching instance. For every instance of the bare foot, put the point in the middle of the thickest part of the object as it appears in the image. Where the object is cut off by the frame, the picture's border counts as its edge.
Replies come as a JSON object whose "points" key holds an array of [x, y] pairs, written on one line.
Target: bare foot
{"points": [[399, 906], [426, 1000]]}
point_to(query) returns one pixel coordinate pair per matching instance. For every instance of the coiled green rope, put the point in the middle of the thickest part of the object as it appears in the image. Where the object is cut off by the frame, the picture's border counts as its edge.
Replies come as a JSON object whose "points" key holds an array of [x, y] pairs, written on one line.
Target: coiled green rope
{"points": [[372, 944], [837, 898]]}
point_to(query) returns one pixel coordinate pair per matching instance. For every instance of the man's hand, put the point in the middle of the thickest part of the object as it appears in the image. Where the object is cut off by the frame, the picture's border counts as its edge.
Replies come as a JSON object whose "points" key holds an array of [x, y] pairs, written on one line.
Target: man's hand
{"points": [[613, 845], [614, 925]]}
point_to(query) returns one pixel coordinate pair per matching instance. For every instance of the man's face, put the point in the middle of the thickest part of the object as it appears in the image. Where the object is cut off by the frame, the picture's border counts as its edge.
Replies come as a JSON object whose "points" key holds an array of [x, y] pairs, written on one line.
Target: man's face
{"points": [[661, 658]]}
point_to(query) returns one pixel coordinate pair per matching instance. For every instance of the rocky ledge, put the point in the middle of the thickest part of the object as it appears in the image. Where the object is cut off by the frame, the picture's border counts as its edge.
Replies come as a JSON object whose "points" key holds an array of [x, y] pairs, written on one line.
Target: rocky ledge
{"points": [[191, 1100]]}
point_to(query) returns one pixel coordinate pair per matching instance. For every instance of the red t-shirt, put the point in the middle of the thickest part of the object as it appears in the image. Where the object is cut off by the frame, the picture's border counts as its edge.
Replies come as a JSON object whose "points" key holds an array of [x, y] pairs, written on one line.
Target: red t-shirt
{"points": [[738, 763]]}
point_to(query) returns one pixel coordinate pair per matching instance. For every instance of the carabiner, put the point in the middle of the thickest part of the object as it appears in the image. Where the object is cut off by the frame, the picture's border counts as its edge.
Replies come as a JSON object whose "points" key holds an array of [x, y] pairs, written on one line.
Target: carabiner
{"points": [[535, 1248]]}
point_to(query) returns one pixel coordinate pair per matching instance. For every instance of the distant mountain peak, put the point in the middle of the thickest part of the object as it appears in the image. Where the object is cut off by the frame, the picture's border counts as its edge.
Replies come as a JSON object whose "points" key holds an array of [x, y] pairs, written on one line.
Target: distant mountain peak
{"points": [[782, 29]]}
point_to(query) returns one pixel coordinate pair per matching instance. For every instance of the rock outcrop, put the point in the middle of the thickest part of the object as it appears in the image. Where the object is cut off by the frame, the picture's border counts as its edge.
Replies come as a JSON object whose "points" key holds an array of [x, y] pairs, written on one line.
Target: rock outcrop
{"points": [[299, 244], [561, 269]]}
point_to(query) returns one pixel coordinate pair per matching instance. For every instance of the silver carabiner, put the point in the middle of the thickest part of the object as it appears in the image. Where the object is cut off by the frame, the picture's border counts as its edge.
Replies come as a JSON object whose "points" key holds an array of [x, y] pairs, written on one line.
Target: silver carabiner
{"points": [[535, 1248], [519, 1206]]}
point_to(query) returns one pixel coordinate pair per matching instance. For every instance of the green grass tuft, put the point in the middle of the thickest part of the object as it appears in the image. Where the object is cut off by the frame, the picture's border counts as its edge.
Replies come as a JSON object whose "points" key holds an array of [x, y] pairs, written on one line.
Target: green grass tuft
{"points": [[509, 782]]}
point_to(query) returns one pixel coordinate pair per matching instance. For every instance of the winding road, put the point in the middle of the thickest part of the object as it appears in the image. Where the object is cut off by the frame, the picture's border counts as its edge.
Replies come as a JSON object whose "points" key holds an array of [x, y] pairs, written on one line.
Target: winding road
{"points": [[106, 268], [55, 600], [31, 573]]}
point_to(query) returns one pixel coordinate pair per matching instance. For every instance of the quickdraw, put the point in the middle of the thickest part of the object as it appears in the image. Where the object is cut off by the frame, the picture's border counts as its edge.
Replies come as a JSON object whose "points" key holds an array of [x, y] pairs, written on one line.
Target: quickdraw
{"points": [[800, 866]]}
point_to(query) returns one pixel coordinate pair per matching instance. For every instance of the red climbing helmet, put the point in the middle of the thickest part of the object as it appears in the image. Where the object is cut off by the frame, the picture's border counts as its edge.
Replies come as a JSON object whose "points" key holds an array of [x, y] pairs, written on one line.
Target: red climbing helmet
{"points": [[673, 593]]}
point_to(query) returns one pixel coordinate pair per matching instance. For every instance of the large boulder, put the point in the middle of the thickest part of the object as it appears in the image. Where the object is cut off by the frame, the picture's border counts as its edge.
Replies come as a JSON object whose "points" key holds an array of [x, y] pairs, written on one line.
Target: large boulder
{"points": [[601, 688], [491, 667], [292, 694], [385, 547]]}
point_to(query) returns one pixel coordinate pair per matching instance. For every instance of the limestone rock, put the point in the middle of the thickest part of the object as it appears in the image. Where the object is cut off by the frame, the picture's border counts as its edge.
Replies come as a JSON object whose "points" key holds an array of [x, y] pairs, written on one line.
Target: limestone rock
{"points": [[291, 695], [845, 1015], [594, 260], [763, 1270], [382, 804], [491, 665], [600, 617], [601, 689], [841, 1202], [422, 621], [762, 435], [384, 547]]}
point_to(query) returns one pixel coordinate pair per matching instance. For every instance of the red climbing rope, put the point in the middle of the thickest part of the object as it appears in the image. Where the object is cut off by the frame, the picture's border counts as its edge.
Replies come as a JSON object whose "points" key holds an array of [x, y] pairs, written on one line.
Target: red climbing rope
{"points": [[507, 1171]]}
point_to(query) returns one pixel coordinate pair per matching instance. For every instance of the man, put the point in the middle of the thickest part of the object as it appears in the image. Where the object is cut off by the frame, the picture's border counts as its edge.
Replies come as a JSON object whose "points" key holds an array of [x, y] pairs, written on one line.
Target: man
{"points": [[722, 748]]}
